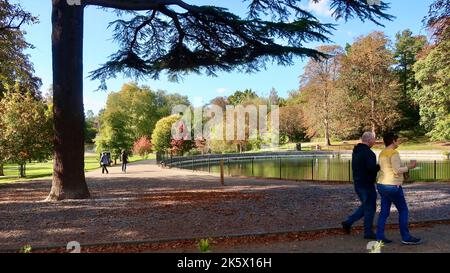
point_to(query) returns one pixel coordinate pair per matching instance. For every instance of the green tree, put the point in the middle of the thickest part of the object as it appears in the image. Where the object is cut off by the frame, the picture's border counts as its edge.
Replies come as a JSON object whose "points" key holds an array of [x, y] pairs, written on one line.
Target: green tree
{"points": [[162, 135], [16, 70], [407, 47], [138, 105], [240, 97], [165, 103], [90, 129], [432, 72], [115, 134], [175, 37], [142, 107], [295, 97], [25, 129], [131, 114], [15, 66]]}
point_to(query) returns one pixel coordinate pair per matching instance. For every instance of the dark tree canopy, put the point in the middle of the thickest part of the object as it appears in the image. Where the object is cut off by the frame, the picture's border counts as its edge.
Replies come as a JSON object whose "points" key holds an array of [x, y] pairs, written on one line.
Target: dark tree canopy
{"points": [[15, 67], [179, 38], [13, 17], [438, 19]]}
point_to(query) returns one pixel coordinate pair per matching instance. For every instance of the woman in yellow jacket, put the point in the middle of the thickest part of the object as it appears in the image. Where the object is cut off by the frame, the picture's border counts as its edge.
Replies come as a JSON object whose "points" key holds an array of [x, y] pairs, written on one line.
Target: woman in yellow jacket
{"points": [[389, 186]]}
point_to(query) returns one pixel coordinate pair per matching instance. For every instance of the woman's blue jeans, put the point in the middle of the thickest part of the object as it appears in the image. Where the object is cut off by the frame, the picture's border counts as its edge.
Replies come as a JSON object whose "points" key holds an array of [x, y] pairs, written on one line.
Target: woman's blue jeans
{"points": [[392, 194]]}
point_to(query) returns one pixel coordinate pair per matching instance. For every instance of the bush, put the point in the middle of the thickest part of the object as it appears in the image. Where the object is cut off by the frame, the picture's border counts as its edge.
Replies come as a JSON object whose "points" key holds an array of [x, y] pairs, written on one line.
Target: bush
{"points": [[162, 135], [142, 147]]}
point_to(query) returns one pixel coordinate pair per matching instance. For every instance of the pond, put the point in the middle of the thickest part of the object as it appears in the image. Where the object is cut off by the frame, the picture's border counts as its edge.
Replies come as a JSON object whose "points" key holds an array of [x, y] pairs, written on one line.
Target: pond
{"points": [[317, 168]]}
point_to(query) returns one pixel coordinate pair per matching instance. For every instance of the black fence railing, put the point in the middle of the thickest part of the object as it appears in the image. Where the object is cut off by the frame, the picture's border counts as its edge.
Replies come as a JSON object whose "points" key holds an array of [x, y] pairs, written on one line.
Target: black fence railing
{"points": [[314, 166]]}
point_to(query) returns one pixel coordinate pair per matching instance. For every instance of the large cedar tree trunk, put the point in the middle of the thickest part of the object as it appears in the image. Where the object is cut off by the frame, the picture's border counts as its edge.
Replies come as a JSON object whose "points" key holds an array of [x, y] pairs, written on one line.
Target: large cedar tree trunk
{"points": [[67, 46]]}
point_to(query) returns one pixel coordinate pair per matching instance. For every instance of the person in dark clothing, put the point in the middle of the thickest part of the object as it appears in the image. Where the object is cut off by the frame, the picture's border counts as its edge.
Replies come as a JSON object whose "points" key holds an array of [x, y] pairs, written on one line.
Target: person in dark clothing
{"points": [[365, 169], [124, 159], [104, 161]]}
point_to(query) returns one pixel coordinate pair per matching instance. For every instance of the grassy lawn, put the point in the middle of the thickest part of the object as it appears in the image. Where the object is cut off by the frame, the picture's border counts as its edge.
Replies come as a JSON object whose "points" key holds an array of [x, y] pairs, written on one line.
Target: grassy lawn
{"points": [[36, 170]]}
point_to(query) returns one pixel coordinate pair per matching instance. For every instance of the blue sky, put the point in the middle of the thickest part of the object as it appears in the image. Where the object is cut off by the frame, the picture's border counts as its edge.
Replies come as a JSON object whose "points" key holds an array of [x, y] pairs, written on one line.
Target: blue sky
{"points": [[98, 45]]}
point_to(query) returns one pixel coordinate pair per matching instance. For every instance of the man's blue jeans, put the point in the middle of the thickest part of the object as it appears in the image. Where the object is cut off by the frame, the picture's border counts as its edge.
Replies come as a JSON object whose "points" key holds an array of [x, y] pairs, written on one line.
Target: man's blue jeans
{"points": [[392, 194], [368, 198]]}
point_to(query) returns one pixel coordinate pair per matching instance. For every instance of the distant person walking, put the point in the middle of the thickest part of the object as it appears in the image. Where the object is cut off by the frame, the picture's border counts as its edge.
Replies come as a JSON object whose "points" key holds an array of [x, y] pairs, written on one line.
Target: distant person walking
{"points": [[124, 159], [365, 168], [389, 186], [104, 161]]}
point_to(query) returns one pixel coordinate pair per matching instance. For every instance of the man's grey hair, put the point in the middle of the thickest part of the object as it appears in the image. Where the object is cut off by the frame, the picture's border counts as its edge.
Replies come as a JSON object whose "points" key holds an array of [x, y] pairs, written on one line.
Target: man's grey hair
{"points": [[367, 136]]}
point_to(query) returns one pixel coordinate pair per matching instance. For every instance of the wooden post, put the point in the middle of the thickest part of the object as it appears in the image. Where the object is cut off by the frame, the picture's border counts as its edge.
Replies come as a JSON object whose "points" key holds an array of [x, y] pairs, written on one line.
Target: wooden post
{"points": [[435, 171], [349, 172], [280, 168], [221, 173]]}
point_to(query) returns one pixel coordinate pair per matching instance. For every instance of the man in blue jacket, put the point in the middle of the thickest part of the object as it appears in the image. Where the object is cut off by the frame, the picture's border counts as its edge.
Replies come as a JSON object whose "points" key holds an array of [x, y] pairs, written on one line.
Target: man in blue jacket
{"points": [[365, 168]]}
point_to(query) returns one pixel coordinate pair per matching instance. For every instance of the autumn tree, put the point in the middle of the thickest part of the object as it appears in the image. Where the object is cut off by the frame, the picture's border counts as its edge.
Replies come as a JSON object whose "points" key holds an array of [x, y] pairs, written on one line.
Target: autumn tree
{"points": [[25, 129], [142, 147], [222, 102], [367, 77], [292, 123], [319, 84], [201, 144], [176, 37], [437, 20]]}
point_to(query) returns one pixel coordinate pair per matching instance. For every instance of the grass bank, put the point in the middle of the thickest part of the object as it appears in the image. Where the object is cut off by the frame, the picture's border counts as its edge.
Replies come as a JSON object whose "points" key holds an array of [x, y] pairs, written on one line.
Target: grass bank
{"points": [[36, 170]]}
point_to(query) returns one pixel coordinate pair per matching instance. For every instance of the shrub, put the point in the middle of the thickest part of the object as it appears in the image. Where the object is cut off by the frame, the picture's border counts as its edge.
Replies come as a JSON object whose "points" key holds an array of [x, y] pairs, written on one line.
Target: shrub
{"points": [[204, 246], [142, 147]]}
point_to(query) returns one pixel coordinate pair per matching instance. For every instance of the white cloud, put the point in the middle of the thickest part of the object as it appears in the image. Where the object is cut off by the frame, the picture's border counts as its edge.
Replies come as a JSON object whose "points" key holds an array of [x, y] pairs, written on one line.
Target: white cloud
{"points": [[221, 90], [322, 8]]}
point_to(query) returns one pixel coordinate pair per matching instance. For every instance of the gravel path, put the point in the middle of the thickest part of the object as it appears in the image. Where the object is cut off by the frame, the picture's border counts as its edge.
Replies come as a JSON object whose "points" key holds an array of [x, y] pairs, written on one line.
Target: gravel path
{"points": [[150, 203]]}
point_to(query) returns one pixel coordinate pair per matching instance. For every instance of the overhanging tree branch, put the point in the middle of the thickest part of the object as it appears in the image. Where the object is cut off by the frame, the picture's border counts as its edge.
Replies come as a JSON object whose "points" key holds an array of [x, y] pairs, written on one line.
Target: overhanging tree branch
{"points": [[211, 39], [138, 4]]}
